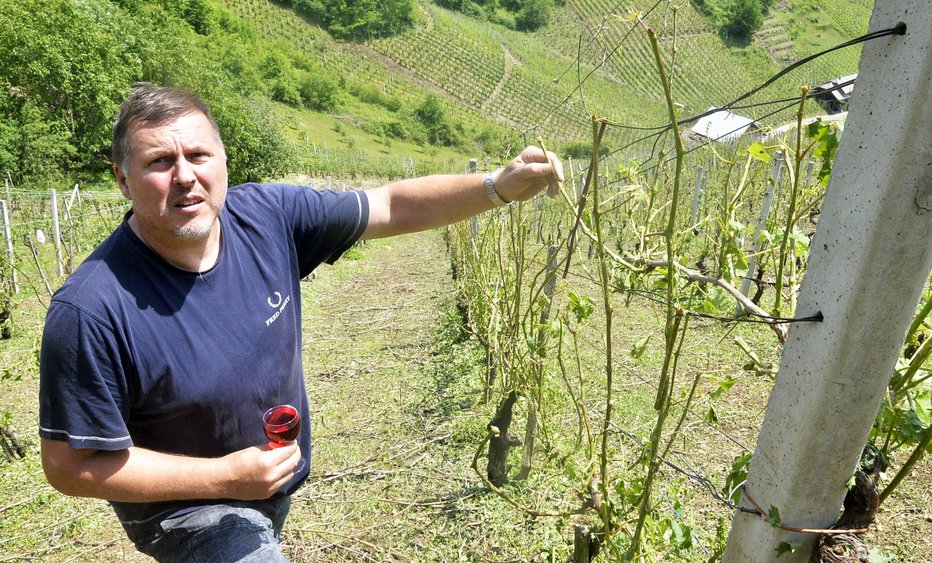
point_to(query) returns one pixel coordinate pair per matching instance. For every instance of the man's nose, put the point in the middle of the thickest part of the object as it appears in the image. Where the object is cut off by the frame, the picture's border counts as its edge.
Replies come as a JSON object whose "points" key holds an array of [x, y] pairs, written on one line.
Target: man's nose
{"points": [[183, 172]]}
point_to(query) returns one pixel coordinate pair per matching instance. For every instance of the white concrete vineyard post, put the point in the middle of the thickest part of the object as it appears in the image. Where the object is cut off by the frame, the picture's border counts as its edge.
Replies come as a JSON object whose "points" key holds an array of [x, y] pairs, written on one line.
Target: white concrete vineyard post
{"points": [[696, 192], [775, 176], [473, 224], [56, 234], [871, 256], [8, 236]]}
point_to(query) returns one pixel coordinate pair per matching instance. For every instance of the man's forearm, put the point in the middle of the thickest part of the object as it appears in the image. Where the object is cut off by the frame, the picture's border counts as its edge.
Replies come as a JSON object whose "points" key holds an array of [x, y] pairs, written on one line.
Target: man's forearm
{"points": [[418, 204], [434, 201], [141, 475]]}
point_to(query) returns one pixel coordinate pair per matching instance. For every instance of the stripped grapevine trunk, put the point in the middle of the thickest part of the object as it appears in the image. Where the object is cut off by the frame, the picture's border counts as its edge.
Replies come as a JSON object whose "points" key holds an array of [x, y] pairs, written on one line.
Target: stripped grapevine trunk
{"points": [[501, 441]]}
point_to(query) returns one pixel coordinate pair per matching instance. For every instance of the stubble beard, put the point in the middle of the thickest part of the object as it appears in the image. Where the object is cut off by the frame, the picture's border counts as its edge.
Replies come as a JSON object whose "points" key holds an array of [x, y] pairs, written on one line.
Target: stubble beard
{"points": [[195, 230]]}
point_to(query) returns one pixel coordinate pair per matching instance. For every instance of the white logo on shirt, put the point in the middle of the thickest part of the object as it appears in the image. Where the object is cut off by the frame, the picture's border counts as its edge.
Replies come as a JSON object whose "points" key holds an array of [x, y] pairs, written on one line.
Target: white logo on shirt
{"points": [[280, 304]]}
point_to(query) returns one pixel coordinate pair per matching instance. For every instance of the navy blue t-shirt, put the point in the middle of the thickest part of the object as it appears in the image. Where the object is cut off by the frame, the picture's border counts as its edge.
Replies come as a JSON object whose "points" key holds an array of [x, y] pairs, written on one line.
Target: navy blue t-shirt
{"points": [[137, 352]]}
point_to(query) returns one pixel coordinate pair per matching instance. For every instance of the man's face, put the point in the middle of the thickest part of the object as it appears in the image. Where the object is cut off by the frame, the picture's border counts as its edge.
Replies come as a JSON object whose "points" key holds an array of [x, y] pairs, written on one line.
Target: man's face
{"points": [[176, 177]]}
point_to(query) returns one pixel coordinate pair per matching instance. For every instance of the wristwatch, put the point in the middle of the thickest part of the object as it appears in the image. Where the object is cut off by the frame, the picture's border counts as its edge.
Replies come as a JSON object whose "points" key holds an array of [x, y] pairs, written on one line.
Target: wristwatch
{"points": [[490, 190]]}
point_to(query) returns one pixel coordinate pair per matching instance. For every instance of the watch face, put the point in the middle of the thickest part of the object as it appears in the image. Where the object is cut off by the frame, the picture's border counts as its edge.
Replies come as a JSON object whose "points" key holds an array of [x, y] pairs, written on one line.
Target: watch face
{"points": [[492, 193]]}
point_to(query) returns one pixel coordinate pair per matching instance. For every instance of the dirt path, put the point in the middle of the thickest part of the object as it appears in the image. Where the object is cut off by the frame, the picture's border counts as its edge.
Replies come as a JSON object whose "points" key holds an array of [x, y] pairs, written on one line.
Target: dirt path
{"points": [[510, 62], [382, 470]]}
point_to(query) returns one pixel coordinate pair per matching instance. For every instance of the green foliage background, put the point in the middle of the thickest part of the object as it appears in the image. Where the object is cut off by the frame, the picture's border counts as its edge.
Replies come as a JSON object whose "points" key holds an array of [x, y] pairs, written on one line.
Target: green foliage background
{"points": [[737, 19], [359, 18], [69, 65], [522, 15], [375, 81]]}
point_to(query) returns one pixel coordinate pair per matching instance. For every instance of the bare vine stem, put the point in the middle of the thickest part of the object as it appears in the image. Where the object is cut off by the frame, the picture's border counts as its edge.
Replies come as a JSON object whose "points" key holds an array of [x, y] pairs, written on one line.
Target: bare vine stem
{"points": [[598, 129], [673, 315], [800, 153]]}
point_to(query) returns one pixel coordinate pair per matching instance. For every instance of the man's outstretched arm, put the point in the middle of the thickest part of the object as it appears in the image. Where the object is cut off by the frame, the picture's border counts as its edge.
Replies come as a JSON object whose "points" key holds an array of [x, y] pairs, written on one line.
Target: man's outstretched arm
{"points": [[140, 475], [434, 201]]}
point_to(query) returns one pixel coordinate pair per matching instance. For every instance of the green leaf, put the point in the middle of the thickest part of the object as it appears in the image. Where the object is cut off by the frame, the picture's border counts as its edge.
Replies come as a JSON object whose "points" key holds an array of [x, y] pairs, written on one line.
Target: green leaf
{"points": [[724, 384], [924, 408], [759, 152], [640, 347], [852, 481], [581, 306], [716, 301], [773, 516], [554, 327], [711, 416], [571, 472], [786, 547], [737, 476], [825, 136]]}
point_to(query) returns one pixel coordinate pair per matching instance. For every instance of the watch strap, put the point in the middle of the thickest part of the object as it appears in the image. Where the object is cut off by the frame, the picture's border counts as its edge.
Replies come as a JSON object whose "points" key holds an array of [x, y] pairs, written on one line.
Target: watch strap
{"points": [[493, 194]]}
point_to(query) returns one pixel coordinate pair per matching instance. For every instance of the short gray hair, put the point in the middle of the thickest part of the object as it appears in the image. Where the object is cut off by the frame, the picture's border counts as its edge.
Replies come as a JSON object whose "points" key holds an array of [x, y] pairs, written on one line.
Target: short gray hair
{"points": [[154, 104]]}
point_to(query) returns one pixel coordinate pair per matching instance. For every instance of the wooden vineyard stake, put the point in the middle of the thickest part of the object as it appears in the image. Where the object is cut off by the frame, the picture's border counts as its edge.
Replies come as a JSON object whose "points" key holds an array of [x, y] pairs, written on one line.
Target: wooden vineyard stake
{"points": [[534, 397]]}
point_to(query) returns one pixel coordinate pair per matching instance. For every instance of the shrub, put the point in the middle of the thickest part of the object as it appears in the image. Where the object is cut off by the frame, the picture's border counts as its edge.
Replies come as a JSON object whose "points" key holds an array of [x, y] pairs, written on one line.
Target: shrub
{"points": [[743, 18], [582, 150], [440, 128], [286, 92], [254, 146], [359, 19], [319, 92], [372, 94], [533, 15], [522, 15]]}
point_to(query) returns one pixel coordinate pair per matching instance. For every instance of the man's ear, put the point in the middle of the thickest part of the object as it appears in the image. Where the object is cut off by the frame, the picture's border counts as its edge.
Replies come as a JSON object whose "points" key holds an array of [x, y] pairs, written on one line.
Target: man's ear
{"points": [[121, 181]]}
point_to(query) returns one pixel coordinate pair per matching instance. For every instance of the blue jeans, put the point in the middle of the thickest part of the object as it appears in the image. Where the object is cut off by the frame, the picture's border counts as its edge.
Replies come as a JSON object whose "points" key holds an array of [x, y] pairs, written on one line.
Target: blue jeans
{"points": [[232, 531]]}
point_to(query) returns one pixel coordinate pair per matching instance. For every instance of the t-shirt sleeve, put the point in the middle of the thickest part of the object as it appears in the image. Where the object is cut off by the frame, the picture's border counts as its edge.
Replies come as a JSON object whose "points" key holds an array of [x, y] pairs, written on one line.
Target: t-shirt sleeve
{"points": [[325, 223], [83, 395]]}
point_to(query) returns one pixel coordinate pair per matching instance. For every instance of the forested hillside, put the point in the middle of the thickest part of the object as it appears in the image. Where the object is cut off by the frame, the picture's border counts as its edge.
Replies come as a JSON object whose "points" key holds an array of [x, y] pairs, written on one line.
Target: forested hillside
{"points": [[382, 81]]}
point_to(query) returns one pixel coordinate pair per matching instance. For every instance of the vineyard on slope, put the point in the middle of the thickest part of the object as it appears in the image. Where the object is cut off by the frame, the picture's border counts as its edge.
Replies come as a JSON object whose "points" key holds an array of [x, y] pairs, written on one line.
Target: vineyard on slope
{"points": [[579, 64], [544, 285]]}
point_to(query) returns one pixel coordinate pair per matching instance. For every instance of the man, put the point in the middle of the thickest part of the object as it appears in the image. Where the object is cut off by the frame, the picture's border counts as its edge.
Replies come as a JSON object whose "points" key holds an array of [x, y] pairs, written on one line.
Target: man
{"points": [[164, 348]]}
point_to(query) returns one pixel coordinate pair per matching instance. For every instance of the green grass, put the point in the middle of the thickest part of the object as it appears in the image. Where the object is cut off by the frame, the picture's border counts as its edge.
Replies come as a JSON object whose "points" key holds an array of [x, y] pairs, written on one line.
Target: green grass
{"points": [[322, 139], [395, 389]]}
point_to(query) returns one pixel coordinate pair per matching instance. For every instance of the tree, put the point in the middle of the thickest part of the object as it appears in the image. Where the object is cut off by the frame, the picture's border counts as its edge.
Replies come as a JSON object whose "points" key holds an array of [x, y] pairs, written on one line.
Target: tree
{"points": [[346, 19], [67, 68], [533, 15], [252, 140], [318, 91], [9, 138], [432, 115], [743, 18]]}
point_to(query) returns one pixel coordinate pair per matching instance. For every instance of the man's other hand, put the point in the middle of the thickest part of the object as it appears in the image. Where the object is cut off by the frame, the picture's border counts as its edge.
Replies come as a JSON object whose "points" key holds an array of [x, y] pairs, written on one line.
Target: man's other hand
{"points": [[529, 173], [259, 472]]}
